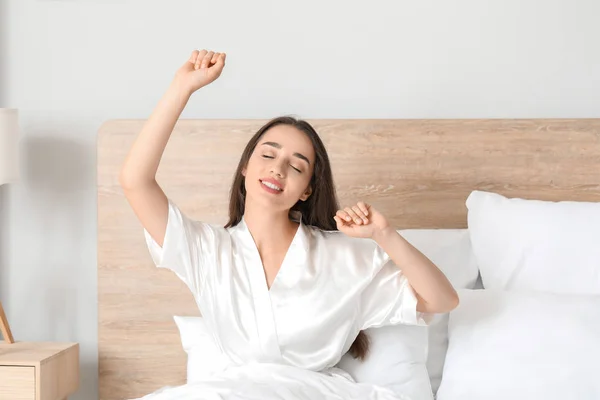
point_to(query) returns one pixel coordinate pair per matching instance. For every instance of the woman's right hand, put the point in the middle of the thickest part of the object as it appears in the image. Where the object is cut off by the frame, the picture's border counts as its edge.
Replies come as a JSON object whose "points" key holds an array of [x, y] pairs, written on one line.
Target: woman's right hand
{"points": [[202, 68]]}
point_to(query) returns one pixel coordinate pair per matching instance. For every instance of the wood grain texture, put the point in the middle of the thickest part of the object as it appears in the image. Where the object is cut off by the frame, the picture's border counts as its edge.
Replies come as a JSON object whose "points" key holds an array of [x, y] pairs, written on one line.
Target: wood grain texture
{"points": [[32, 353], [54, 369], [58, 376], [17, 383], [417, 172]]}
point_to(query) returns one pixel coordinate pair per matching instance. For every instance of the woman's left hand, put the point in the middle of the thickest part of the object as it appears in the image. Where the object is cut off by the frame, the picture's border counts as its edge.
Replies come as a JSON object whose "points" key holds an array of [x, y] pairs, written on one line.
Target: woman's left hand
{"points": [[360, 220]]}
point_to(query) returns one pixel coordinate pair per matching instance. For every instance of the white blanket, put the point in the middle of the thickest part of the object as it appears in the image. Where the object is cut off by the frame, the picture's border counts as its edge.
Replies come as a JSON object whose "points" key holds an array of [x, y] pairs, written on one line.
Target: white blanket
{"points": [[276, 382]]}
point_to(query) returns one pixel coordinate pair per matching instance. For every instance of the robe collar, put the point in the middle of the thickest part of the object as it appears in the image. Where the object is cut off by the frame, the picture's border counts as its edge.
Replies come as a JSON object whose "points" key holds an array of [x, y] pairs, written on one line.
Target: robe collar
{"points": [[300, 239]]}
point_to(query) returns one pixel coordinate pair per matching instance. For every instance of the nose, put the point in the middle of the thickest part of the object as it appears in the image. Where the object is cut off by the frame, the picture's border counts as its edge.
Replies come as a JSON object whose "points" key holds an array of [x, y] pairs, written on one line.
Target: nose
{"points": [[277, 169]]}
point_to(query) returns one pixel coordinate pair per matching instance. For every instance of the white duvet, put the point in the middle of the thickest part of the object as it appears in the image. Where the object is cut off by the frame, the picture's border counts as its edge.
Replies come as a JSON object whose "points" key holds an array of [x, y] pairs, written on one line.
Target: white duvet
{"points": [[276, 382]]}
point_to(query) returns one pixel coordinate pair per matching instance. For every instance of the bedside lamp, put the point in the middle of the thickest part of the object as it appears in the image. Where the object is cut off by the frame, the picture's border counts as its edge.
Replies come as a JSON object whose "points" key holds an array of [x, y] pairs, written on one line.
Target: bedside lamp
{"points": [[9, 130]]}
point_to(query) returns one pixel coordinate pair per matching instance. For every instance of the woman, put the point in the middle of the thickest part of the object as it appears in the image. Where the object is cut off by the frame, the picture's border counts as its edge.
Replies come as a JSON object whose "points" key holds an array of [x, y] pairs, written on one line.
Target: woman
{"points": [[290, 282]]}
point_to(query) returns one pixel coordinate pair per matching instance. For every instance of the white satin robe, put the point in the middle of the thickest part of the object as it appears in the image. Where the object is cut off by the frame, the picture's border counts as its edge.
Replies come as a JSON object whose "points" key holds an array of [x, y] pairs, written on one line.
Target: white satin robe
{"points": [[329, 287]]}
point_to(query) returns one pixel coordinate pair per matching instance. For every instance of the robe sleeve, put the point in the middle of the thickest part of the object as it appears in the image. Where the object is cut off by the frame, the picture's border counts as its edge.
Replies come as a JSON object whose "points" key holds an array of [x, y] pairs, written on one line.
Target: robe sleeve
{"points": [[186, 247], [389, 299]]}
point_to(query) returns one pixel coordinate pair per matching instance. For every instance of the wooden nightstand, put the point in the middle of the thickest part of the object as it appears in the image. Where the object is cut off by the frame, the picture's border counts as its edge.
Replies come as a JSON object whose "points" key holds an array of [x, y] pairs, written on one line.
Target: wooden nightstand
{"points": [[38, 371]]}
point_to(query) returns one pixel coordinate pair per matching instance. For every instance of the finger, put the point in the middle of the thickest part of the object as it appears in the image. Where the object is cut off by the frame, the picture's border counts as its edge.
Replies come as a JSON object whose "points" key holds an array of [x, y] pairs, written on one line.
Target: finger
{"points": [[214, 58], [220, 61], [360, 214], [199, 58], [207, 57], [194, 56], [364, 207], [338, 221], [342, 226], [352, 214], [344, 216]]}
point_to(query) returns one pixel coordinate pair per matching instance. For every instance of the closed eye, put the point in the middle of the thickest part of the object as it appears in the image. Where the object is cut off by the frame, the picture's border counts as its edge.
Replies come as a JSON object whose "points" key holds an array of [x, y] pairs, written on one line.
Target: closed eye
{"points": [[271, 157]]}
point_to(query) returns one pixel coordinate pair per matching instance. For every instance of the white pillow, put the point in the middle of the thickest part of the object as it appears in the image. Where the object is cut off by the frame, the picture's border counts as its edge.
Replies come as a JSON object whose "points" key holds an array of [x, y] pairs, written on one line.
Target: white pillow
{"points": [[396, 360], [450, 250], [522, 345], [535, 245], [203, 356]]}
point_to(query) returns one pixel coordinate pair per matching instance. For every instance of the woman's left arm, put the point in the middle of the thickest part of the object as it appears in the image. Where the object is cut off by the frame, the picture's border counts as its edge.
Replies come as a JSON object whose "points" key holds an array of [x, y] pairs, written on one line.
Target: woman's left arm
{"points": [[434, 292]]}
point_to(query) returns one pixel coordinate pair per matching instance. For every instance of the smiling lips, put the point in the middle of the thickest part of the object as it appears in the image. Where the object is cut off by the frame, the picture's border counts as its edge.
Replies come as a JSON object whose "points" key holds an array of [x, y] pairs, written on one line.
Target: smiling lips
{"points": [[271, 185]]}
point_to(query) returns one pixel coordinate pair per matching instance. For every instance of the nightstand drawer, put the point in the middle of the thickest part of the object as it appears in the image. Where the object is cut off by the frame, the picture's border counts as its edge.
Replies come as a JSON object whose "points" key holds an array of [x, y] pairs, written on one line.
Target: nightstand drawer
{"points": [[17, 383]]}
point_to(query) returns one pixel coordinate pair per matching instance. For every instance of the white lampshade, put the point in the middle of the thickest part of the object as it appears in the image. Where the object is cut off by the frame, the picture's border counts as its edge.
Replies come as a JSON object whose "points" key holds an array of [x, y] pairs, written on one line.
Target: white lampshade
{"points": [[9, 132]]}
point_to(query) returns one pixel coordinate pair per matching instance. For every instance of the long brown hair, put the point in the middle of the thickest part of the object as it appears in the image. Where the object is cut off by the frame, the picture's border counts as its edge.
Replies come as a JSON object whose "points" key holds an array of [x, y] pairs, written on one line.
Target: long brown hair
{"points": [[317, 211]]}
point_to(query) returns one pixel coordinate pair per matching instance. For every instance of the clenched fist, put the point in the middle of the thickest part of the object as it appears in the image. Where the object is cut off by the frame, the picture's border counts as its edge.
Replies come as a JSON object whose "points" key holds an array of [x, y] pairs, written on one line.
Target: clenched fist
{"points": [[202, 68]]}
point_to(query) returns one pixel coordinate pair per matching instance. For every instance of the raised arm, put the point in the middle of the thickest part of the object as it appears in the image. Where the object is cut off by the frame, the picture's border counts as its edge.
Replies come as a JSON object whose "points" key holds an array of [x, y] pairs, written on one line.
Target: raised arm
{"points": [[138, 173]]}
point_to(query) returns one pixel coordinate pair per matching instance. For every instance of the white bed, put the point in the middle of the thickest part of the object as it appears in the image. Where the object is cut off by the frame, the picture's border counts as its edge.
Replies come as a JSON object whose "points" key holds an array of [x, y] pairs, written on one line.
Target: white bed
{"points": [[420, 174]]}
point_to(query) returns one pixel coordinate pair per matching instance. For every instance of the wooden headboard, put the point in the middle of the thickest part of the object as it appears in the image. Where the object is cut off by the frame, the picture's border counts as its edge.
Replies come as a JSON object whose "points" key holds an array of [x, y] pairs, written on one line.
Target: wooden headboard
{"points": [[417, 172]]}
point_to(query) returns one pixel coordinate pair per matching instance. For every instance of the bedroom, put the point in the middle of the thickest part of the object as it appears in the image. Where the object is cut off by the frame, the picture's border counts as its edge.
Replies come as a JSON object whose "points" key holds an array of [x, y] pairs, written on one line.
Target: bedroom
{"points": [[71, 66]]}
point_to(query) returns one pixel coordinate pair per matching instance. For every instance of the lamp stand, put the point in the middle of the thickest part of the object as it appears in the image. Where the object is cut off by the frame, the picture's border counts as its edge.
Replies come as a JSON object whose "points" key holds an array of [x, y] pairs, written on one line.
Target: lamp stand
{"points": [[4, 327]]}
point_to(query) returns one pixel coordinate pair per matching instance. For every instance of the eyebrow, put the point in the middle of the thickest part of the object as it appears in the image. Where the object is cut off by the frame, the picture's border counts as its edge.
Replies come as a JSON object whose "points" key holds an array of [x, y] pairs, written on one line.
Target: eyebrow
{"points": [[278, 146]]}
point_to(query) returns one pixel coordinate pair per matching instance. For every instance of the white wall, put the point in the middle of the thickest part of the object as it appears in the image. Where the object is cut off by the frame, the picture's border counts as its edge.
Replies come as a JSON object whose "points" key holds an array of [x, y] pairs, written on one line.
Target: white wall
{"points": [[70, 65]]}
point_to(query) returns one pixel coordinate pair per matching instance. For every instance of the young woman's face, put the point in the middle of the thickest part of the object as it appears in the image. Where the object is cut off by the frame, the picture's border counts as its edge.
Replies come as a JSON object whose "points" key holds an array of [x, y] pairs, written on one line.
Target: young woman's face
{"points": [[279, 170]]}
